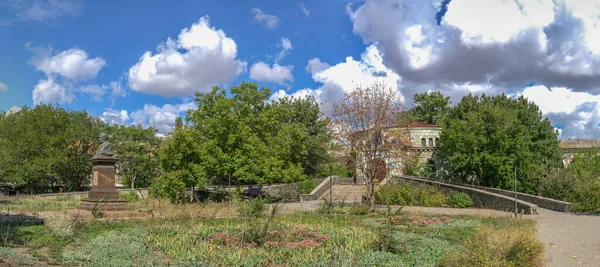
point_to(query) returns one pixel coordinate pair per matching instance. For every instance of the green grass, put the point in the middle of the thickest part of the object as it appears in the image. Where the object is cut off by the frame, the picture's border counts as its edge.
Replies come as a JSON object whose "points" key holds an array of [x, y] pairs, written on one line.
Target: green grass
{"points": [[302, 239], [38, 204], [21, 259]]}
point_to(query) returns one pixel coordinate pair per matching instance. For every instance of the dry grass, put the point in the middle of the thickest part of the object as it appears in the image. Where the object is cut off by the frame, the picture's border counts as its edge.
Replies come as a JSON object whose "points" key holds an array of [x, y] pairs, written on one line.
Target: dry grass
{"points": [[504, 243]]}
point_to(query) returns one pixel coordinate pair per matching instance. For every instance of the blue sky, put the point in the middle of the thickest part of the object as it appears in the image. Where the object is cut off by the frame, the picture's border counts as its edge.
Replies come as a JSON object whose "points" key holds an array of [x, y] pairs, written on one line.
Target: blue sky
{"points": [[140, 61], [121, 31]]}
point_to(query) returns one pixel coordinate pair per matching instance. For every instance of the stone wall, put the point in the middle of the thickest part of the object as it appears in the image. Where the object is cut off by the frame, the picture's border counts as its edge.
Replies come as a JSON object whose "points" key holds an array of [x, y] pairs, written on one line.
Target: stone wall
{"points": [[541, 202], [481, 198]]}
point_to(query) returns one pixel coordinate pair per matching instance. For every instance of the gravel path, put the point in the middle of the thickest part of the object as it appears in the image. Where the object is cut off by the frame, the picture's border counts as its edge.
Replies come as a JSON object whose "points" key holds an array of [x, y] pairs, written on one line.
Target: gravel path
{"points": [[570, 239]]}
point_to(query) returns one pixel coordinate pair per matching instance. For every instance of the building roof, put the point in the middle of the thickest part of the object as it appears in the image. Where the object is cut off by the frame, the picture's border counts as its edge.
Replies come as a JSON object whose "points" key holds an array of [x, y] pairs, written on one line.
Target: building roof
{"points": [[579, 144], [422, 124]]}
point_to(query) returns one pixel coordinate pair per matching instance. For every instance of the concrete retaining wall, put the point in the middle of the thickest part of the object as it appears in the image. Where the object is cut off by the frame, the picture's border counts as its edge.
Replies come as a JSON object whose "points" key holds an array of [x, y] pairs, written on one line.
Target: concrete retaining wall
{"points": [[542, 202], [481, 198]]}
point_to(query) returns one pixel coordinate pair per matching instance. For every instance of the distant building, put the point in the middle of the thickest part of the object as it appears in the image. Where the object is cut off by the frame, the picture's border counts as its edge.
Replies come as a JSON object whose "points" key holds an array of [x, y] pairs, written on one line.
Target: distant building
{"points": [[572, 147], [424, 140]]}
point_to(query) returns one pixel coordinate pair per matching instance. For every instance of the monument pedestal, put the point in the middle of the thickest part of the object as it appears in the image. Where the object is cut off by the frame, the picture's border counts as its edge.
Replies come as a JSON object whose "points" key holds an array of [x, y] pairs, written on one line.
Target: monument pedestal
{"points": [[104, 194]]}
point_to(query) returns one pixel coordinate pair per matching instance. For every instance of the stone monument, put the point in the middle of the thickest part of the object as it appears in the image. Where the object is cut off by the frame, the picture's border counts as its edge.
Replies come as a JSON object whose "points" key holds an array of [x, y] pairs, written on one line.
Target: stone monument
{"points": [[103, 194]]}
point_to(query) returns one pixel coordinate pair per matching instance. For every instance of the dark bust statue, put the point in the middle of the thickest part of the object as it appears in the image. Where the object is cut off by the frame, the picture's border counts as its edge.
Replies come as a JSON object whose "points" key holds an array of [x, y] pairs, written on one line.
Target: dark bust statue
{"points": [[105, 148]]}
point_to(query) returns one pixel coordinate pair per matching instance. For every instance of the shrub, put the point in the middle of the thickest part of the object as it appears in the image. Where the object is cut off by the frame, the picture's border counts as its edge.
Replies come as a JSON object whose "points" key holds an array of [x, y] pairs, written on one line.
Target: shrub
{"points": [[61, 224], [171, 186], [20, 259], [254, 208], [305, 187], [359, 210], [510, 243], [408, 194], [116, 248], [129, 196], [459, 200]]}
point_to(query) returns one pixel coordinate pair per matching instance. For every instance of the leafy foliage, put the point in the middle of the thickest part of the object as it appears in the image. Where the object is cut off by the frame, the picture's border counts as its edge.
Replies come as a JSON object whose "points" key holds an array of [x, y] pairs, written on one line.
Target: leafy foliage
{"points": [[486, 137], [578, 183], [136, 148], [430, 107], [408, 194], [459, 200], [242, 137], [47, 146]]}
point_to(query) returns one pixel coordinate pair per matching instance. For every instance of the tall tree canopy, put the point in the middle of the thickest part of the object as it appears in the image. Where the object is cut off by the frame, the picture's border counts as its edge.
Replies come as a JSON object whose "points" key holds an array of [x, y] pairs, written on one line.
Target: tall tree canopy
{"points": [[243, 137], [429, 107], [47, 146], [486, 137], [136, 147]]}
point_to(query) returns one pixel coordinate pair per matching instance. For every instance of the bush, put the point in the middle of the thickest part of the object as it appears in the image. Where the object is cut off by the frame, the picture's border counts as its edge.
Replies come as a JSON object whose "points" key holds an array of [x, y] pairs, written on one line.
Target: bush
{"points": [[408, 194], [61, 225], [358, 210], [459, 200], [171, 186], [510, 243], [305, 187], [130, 196], [255, 208]]}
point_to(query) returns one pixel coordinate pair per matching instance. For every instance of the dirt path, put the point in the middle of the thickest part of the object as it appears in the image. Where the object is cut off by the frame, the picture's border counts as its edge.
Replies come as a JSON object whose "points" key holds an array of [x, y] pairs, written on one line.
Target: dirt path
{"points": [[570, 239]]}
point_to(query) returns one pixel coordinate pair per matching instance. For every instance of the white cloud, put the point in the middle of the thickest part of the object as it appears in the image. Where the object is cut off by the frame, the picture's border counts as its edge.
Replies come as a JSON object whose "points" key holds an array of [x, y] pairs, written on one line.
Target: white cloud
{"points": [[304, 9], [45, 10], [162, 118], [316, 65], [344, 77], [112, 116], [95, 91], [492, 47], [286, 46], [270, 21], [3, 87], [261, 71], [577, 114], [73, 64], [200, 58], [48, 91], [12, 110], [484, 22]]}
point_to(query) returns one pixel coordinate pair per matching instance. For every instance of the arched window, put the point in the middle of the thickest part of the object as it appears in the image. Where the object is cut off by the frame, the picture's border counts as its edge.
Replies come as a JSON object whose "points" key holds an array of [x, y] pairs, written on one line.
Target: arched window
{"points": [[430, 142], [423, 142], [437, 142]]}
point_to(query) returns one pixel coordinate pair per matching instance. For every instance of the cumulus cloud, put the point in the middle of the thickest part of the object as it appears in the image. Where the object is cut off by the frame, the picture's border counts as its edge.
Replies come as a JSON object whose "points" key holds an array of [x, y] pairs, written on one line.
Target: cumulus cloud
{"points": [[262, 72], [73, 64], [200, 58], [499, 46], [162, 118], [316, 65], [3, 87], [44, 10], [577, 114], [286, 46], [112, 116], [270, 21], [48, 91], [344, 77], [94, 90], [63, 72]]}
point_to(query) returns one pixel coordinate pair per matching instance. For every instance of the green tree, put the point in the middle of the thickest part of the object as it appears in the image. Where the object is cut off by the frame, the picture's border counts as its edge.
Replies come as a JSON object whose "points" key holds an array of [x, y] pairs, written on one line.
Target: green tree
{"points": [[181, 158], [248, 139], [486, 137], [136, 147], [578, 183], [47, 146], [429, 107]]}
